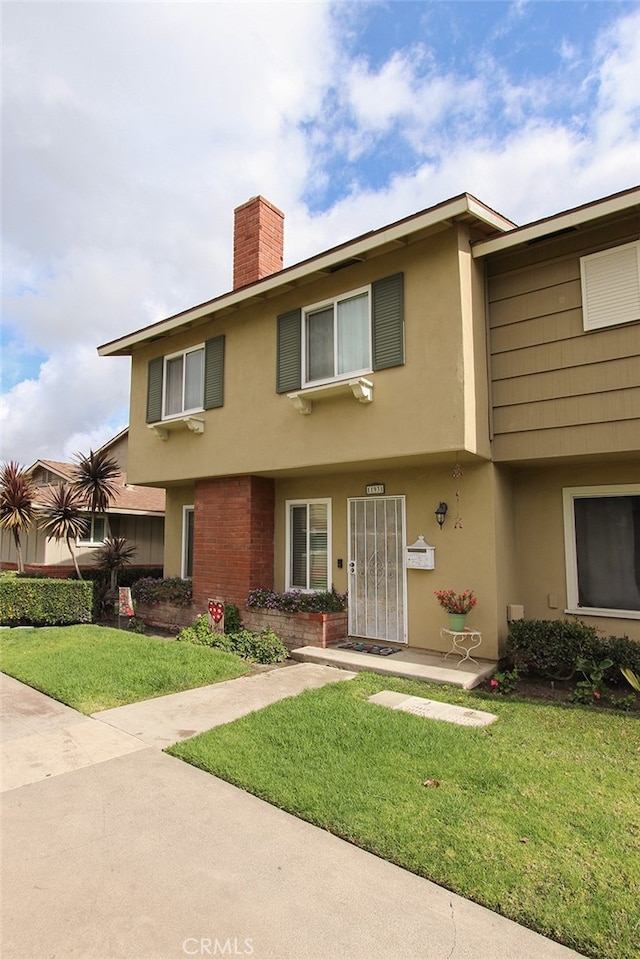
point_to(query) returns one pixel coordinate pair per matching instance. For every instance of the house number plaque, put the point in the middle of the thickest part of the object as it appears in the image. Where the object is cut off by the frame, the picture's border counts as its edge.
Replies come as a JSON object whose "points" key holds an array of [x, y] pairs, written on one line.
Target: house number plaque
{"points": [[375, 489]]}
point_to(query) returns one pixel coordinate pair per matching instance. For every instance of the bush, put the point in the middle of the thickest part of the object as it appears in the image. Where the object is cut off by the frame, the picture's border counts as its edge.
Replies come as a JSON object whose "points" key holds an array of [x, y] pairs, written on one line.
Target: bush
{"points": [[554, 647], [173, 590], [264, 647], [44, 602], [295, 601]]}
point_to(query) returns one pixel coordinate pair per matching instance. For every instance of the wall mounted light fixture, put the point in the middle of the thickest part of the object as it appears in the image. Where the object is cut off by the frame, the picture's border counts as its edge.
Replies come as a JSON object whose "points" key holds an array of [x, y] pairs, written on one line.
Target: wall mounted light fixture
{"points": [[441, 512]]}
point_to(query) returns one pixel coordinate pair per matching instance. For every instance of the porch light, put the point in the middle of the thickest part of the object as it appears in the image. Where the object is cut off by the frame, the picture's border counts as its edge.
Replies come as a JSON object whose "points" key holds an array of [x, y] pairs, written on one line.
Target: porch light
{"points": [[441, 512]]}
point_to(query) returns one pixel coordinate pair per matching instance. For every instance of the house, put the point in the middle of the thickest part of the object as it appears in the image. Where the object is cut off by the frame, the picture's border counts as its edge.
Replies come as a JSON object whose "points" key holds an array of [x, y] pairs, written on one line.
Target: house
{"points": [[135, 512], [309, 424]]}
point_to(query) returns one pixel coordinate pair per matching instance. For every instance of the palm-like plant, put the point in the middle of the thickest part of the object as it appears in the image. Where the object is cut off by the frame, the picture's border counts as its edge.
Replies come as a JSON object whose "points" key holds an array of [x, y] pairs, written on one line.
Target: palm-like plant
{"points": [[17, 508], [62, 517], [94, 477], [114, 554]]}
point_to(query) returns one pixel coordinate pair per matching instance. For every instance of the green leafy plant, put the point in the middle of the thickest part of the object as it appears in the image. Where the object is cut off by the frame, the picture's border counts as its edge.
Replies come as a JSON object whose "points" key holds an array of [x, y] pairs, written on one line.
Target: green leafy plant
{"points": [[591, 688], [136, 625], [625, 703], [232, 618], [264, 647], [631, 678], [504, 682]]}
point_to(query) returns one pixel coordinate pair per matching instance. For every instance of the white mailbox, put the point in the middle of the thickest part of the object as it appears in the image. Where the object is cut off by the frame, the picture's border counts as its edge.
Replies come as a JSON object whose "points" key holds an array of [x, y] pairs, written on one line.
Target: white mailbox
{"points": [[420, 555]]}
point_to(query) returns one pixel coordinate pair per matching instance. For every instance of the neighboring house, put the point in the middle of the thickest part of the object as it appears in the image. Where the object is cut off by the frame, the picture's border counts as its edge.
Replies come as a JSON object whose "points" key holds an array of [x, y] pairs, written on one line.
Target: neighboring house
{"points": [[135, 512], [307, 425]]}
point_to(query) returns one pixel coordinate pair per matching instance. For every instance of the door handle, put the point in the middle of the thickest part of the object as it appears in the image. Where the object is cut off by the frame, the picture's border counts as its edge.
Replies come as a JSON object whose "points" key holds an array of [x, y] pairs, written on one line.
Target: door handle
{"points": [[352, 567]]}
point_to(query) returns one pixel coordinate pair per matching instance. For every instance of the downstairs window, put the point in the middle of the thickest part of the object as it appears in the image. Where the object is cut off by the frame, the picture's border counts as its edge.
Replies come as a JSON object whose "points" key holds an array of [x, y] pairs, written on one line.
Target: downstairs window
{"points": [[602, 543]]}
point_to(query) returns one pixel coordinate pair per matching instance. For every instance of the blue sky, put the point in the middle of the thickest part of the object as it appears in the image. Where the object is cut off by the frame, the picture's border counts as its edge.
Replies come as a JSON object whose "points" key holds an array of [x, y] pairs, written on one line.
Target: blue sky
{"points": [[131, 130]]}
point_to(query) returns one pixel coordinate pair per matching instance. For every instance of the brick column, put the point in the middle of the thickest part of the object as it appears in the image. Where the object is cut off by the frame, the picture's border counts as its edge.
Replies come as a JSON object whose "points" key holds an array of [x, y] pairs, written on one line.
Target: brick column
{"points": [[233, 537], [258, 241]]}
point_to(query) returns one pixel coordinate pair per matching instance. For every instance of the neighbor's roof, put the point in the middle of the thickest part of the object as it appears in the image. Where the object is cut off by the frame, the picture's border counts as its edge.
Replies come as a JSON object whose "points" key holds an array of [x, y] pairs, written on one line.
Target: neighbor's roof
{"points": [[127, 499], [566, 222], [464, 208]]}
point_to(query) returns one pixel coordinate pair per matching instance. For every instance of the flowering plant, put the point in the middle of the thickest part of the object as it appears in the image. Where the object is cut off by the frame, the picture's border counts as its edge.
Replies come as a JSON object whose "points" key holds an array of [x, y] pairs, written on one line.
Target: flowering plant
{"points": [[456, 602]]}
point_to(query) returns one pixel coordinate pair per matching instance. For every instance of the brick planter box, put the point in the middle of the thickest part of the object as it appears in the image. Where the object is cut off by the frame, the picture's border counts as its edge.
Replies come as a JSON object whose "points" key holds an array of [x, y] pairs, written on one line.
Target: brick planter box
{"points": [[166, 616], [299, 629]]}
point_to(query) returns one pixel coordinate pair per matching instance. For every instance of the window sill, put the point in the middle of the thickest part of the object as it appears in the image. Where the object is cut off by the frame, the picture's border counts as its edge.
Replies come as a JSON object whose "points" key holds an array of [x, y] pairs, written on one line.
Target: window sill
{"points": [[165, 427], [609, 613], [361, 389]]}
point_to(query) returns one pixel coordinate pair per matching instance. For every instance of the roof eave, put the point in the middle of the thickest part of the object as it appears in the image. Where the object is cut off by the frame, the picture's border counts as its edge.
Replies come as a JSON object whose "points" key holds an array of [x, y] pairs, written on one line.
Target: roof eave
{"points": [[554, 225], [399, 233]]}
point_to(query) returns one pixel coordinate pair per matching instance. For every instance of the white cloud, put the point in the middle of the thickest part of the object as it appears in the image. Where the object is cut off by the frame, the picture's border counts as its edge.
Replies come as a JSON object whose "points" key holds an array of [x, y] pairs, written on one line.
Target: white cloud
{"points": [[76, 394], [132, 130]]}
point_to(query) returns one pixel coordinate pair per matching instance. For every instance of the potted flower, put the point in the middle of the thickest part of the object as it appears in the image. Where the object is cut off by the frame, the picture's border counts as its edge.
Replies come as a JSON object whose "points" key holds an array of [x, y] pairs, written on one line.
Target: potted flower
{"points": [[458, 605]]}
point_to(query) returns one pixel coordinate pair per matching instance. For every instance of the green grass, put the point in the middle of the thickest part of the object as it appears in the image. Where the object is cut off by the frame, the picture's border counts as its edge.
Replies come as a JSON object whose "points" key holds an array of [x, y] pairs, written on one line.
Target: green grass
{"points": [[536, 816], [93, 668]]}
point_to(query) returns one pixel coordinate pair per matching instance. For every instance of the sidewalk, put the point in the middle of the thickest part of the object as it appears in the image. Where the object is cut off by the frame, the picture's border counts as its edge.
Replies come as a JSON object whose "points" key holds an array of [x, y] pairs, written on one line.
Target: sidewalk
{"points": [[142, 856]]}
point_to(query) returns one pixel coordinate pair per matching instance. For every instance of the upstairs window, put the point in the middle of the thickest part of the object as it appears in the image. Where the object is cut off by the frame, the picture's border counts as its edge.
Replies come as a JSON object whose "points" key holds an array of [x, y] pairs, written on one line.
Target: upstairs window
{"points": [[186, 382], [308, 546], [355, 333], [338, 338], [610, 282]]}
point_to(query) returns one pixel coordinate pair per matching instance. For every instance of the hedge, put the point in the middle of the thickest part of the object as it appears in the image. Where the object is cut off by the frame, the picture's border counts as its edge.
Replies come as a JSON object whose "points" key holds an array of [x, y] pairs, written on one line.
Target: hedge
{"points": [[552, 648], [44, 602]]}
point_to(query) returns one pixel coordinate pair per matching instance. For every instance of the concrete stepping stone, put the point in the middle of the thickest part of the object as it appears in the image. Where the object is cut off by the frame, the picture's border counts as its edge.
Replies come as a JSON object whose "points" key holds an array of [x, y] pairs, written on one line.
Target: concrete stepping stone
{"points": [[430, 709]]}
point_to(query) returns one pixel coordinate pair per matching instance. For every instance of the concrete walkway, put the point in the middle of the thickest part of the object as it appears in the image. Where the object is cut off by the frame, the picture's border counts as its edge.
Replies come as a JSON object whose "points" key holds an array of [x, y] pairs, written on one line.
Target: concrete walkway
{"points": [[169, 719], [141, 856]]}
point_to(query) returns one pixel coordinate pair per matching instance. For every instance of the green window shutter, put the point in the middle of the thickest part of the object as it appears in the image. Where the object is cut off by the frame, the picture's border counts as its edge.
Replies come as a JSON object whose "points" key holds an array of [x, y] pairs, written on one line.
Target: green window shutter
{"points": [[214, 373], [289, 373], [388, 322], [154, 389]]}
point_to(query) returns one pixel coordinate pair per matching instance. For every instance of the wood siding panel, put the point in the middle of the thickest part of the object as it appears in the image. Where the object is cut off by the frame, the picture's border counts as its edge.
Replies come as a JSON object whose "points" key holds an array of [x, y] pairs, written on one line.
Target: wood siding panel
{"points": [[575, 381], [569, 411], [545, 302], [604, 345], [556, 389], [602, 438]]}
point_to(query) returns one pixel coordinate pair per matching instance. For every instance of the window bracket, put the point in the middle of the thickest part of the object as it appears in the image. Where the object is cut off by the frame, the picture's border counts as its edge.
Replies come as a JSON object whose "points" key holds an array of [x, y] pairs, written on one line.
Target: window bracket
{"points": [[162, 429], [361, 388]]}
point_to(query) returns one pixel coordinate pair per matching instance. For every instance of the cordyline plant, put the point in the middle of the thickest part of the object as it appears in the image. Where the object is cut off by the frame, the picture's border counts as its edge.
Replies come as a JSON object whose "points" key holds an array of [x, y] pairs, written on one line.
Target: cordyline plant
{"points": [[17, 508], [94, 478], [114, 554], [453, 602], [62, 517]]}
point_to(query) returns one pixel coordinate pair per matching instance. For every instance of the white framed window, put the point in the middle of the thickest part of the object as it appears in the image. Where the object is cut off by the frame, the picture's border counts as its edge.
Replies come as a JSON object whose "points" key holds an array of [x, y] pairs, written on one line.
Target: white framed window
{"points": [[96, 532], [602, 550], [610, 281], [183, 382], [188, 517], [308, 540], [337, 338]]}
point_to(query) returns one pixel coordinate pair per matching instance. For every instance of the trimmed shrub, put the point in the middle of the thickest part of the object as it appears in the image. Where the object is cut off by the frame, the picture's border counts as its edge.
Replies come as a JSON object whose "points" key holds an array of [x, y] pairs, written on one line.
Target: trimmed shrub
{"points": [[44, 602], [553, 647], [264, 647], [173, 590]]}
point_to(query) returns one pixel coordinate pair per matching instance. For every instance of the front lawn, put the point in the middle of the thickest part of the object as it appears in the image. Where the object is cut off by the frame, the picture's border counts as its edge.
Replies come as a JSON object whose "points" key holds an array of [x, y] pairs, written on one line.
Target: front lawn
{"points": [[535, 817], [93, 667]]}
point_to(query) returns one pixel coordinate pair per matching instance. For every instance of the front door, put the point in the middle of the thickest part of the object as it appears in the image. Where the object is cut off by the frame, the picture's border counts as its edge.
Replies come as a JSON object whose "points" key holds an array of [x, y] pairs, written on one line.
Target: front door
{"points": [[377, 582]]}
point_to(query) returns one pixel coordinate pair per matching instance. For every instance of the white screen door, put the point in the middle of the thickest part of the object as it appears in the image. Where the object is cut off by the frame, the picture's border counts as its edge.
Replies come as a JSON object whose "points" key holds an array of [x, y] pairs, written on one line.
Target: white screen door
{"points": [[377, 581]]}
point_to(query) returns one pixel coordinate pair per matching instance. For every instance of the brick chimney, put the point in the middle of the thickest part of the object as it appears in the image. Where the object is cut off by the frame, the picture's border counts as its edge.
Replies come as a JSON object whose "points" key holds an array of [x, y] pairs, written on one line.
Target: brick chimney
{"points": [[257, 241]]}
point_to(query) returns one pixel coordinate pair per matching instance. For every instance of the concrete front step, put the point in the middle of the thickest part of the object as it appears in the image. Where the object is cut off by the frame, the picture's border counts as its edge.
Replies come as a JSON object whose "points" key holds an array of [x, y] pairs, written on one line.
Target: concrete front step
{"points": [[407, 664]]}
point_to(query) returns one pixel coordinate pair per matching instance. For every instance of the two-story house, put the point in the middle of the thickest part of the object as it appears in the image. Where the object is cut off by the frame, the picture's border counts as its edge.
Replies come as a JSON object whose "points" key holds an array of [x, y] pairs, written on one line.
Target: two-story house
{"points": [[308, 424]]}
